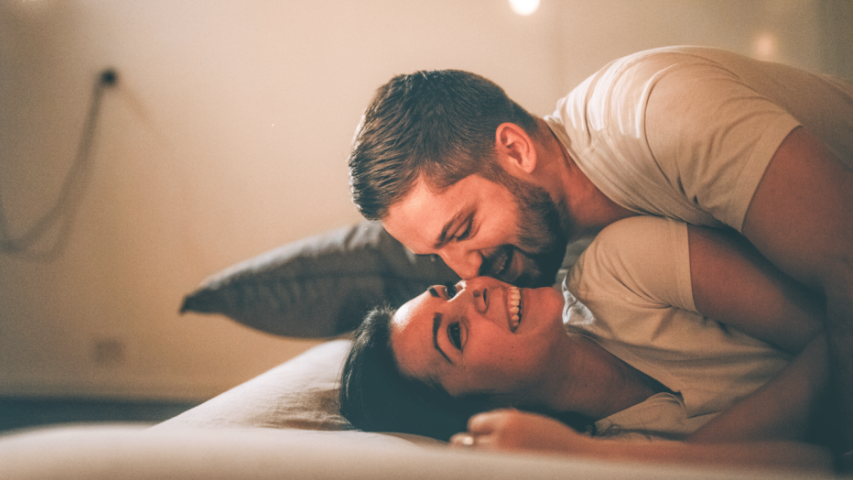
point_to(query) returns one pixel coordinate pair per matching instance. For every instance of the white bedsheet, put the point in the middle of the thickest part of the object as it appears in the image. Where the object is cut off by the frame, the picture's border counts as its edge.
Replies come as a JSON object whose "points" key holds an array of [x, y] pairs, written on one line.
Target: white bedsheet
{"points": [[129, 453]]}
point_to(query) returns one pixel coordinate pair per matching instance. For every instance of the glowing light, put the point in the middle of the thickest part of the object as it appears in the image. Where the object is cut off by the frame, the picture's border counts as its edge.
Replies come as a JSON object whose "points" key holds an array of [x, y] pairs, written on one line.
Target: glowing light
{"points": [[766, 46], [524, 7]]}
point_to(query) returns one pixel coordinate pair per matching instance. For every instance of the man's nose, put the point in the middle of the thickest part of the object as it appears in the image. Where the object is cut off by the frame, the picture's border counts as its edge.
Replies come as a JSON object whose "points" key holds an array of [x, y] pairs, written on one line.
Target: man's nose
{"points": [[466, 263]]}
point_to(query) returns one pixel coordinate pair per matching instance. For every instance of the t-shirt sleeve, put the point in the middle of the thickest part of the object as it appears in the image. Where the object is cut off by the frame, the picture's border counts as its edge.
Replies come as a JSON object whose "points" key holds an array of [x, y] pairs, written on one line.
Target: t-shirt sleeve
{"points": [[634, 271], [712, 135]]}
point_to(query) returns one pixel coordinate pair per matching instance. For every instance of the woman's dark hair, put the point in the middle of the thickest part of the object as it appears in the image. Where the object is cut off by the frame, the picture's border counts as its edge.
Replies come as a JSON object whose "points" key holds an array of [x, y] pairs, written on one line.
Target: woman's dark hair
{"points": [[376, 397]]}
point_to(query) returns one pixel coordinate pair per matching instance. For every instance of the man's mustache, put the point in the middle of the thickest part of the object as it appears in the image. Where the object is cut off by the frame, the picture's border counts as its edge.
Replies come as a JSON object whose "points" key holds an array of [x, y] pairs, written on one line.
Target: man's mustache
{"points": [[539, 269], [496, 262]]}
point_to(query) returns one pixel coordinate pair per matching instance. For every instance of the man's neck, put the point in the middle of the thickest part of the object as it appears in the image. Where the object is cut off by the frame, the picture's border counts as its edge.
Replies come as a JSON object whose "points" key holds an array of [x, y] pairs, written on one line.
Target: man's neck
{"points": [[591, 210], [588, 210]]}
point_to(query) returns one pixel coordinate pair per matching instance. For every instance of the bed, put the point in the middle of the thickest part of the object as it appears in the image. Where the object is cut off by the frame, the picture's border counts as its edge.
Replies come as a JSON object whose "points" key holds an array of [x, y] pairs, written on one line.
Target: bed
{"points": [[285, 423]]}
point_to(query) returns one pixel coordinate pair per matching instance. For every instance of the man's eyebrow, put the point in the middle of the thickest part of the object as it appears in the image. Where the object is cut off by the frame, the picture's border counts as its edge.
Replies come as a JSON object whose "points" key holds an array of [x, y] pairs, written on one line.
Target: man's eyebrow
{"points": [[442, 237], [436, 323]]}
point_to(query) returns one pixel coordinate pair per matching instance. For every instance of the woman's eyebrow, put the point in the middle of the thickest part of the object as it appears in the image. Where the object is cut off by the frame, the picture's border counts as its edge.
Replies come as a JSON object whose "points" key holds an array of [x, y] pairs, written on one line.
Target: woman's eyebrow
{"points": [[436, 323], [432, 291]]}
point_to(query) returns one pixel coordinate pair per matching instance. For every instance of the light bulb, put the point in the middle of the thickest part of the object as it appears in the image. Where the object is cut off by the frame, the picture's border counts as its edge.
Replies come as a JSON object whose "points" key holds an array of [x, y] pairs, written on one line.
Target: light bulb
{"points": [[524, 7]]}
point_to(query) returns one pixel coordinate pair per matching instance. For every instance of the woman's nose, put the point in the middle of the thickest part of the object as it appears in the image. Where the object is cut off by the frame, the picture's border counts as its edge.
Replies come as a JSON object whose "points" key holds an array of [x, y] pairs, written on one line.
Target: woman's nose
{"points": [[479, 294]]}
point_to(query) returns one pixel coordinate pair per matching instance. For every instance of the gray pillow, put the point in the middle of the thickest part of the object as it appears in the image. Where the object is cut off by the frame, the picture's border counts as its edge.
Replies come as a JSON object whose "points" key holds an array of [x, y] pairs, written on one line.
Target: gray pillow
{"points": [[320, 286]]}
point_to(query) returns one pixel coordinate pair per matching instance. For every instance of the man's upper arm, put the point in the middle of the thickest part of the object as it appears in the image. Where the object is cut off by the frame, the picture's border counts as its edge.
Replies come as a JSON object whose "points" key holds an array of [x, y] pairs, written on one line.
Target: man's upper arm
{"points": [[733, 284], [801, 215]]}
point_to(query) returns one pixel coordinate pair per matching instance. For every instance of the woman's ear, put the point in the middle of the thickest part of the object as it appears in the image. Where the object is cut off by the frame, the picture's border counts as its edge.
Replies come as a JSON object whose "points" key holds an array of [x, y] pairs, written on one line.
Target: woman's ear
{"points": [[516, 150]]}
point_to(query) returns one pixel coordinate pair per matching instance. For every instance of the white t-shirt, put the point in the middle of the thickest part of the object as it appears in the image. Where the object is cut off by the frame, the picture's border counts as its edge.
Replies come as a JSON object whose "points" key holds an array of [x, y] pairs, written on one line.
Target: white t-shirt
{"points": [[631, 292], [687, 132]]}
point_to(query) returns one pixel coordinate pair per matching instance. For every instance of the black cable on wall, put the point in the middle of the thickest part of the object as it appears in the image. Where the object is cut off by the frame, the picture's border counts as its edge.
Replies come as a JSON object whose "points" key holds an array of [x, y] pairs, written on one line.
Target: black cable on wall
{"points": [[63, 210]]}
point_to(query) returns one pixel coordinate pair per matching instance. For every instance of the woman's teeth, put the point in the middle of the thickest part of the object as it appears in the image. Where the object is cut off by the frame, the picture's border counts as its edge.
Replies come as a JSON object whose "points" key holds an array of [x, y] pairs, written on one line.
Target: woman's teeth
{"points": [[514, 303]]}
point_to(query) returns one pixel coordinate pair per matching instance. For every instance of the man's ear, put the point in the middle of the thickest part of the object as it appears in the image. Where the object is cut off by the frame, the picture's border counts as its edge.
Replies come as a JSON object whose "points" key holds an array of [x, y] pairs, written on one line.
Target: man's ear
{"points": [[516, 150]]}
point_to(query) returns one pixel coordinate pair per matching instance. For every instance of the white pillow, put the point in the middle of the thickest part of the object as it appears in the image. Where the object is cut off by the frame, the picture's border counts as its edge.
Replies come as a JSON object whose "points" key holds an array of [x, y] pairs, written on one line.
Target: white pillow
{"points": [[300, 393]]}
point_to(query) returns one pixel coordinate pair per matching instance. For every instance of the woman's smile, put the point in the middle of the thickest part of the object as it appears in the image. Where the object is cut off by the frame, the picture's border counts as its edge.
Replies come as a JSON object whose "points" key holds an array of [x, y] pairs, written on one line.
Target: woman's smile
{"points": [[480, 335], [514, 306]]}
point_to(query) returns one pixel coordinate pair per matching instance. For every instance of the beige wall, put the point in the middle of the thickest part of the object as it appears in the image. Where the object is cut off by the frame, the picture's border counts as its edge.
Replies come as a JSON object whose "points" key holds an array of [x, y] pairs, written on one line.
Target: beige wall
{"points": [[227, 136]]}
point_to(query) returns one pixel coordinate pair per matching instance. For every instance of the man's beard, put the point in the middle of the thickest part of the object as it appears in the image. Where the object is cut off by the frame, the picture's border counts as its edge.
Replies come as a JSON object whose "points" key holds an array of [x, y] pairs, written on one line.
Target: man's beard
{"points": [[542, 238]]}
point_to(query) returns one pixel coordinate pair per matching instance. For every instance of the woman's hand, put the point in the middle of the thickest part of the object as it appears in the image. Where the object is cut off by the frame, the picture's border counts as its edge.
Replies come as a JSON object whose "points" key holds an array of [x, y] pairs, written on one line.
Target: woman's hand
{"points": [[510, 429]]}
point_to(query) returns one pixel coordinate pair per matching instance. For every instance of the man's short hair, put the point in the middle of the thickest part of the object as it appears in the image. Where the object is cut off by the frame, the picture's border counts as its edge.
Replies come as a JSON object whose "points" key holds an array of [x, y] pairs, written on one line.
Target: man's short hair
{"points": [[439, 123]]}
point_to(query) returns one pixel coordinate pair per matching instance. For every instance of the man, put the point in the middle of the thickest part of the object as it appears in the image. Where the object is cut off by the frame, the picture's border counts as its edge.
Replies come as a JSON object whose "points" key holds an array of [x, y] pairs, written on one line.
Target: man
{"points": [[454, 168]]}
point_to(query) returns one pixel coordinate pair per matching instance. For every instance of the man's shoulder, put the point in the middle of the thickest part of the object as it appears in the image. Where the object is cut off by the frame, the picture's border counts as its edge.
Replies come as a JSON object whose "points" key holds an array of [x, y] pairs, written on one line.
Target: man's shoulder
{"points": [[673, 55], [622, 85], [638, 67]]}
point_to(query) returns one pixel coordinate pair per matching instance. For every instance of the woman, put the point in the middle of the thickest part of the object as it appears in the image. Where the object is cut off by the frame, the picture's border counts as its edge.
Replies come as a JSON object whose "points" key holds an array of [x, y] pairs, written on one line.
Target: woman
{"points": [[624, 353]]}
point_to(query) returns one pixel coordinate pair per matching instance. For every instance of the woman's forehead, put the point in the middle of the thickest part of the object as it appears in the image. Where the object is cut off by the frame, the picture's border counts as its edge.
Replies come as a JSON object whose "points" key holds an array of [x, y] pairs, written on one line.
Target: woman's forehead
{"points": [[411, 311], [411, 338]]}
